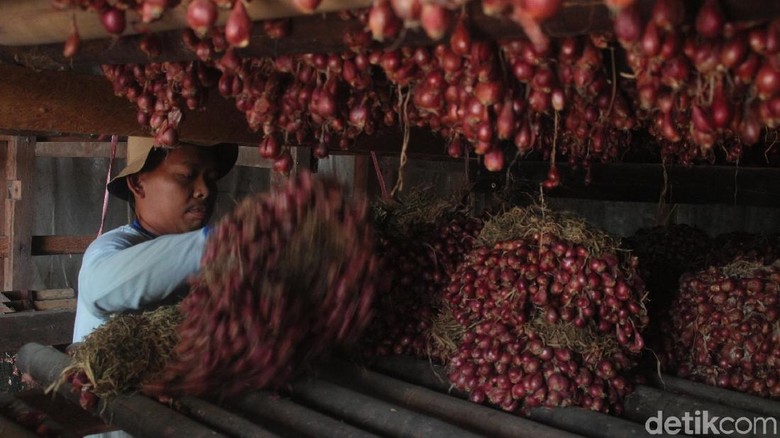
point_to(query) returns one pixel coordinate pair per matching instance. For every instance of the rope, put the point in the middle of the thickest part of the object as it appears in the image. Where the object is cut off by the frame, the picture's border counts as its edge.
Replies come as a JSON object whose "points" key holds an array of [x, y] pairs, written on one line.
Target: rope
{"points": [[114, 140]]}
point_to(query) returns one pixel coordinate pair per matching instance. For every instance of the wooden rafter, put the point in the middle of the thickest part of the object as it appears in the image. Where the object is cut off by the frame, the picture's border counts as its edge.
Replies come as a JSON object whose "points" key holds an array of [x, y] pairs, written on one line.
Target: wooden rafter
{"points": [[40, 47]]}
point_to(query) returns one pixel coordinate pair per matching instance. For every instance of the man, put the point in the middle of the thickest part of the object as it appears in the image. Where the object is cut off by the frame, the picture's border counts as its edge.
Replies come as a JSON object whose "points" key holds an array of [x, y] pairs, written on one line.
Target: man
{"points": [[146, 263]]}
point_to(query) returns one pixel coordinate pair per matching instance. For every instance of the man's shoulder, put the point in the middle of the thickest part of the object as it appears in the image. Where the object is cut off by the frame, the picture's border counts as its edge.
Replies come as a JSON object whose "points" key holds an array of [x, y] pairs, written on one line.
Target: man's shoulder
{"points": [[118, 238]]}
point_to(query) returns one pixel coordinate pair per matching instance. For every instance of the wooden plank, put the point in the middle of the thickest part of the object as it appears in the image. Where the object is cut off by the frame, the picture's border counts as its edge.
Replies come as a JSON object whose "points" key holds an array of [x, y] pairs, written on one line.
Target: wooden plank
{"points": [[84, 149], [17, 295], [17, 225], [4, 238], [68, 303], [37, 22], [313, 33], [54, 327], [66, 102], [53, 245], [633, 182], [362, 164], [248, 156], [53, 294], [20, 305]]}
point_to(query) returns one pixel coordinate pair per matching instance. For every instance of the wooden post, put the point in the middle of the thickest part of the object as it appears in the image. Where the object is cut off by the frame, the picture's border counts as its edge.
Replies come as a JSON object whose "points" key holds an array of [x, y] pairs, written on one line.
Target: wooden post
{"points": [[360, 175], [17, 211]]}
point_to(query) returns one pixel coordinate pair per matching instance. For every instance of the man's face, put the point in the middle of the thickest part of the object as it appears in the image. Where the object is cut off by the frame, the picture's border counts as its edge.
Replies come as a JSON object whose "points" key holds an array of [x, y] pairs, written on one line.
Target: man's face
{"points": [[179, 194]]}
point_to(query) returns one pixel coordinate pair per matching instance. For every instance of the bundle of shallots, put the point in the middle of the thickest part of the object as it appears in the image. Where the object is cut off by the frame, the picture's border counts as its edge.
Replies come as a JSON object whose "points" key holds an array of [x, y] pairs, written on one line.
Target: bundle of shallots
{"points": [[284, 277], [421, 240], [724, 328], [552, 314]]}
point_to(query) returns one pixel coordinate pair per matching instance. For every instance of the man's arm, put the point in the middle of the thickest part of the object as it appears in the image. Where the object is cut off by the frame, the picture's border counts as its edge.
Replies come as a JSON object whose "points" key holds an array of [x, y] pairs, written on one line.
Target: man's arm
{"points": [[117, 277]]}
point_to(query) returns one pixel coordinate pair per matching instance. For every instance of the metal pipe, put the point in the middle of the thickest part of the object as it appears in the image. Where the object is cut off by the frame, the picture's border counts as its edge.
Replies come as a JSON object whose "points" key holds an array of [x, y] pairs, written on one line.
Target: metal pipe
{"points": [[373, 414], [10, 428], [575, 420], [722, 396], [13, 408], [646, 403], [481, 419], [135, 414], [220, 419], [413, 370], [589, 423], [293, 419]]}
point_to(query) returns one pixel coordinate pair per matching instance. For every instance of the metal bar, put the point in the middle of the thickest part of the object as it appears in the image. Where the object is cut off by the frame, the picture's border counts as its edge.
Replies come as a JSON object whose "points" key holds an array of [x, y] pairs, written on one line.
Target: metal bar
{"points": [[413, 370], [376, 415], [481, 419], [293, 419], [220, 419], [590, 423], [574, 420], [12, 407], [135, 414], [645, 404], [11, 429], [722, 396]]}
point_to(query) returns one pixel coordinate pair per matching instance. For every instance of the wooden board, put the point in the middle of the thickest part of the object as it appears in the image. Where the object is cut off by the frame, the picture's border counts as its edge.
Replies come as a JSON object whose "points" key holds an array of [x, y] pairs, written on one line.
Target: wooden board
{"points": [[67, 304], [17, 220], [66, 102], [53, 294], [83, 149], [41, 30], [37, 22], [53, 245], [633, 182], [53, 327]]}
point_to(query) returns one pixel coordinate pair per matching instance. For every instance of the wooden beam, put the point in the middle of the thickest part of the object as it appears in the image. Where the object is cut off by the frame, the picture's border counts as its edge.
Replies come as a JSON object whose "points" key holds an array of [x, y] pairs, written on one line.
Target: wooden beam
{"points": [[37, 22], [53, 294], [361, 167], [633, 182], [54, 245], [17, 226], [66, 102], [71, 103], [42, 48], [65, 303], [83, 149], [6, 241], [248, 156], [54, 327]]}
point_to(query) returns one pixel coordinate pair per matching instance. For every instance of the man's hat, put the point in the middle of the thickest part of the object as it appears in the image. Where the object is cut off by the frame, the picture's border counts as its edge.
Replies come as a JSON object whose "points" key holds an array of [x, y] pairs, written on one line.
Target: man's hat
{"points": [[138, 149]]}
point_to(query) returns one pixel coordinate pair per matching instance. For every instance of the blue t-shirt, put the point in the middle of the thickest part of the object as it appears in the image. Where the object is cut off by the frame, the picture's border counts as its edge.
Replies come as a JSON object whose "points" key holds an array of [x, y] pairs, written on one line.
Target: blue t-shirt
{"points": [[129, 269]]}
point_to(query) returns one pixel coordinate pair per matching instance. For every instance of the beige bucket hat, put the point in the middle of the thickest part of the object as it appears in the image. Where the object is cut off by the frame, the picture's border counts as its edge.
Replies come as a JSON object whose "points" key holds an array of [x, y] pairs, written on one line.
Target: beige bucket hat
{"points": [[138, 149]]}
